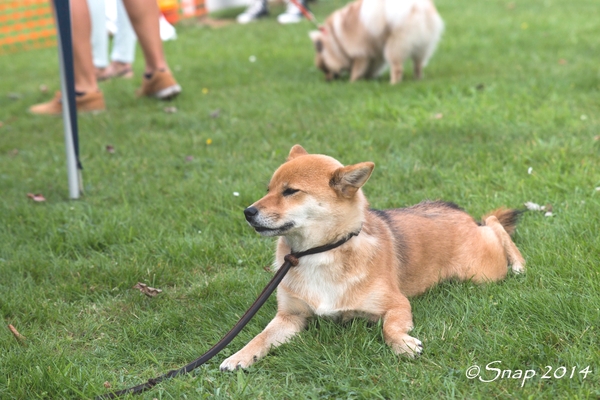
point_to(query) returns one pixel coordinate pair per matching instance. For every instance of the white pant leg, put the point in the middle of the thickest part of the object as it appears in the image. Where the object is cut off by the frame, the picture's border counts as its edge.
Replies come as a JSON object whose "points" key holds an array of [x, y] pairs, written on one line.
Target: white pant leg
{"points": [[124, 40], [99, 33]]}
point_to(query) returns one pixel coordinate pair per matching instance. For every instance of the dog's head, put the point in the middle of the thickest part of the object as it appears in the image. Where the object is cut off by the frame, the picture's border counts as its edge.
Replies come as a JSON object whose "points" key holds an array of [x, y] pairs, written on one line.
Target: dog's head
{"points": [[329, 58], [311, 198]]}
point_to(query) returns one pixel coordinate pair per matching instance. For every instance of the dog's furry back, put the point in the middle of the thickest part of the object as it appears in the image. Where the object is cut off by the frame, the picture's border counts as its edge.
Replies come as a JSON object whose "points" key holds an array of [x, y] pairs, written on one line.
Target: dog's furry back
{"points": [[377, 15]]}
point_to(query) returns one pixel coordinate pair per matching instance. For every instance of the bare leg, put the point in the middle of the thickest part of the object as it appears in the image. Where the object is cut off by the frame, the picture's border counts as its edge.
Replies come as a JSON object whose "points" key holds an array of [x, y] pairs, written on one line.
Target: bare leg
{"points": [[143, 15], [85, 72]]}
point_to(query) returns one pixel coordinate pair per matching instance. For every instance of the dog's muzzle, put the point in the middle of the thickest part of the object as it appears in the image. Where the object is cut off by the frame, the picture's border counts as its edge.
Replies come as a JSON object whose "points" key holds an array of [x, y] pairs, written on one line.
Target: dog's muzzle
{"points": [[250, 213], [253, 217]]}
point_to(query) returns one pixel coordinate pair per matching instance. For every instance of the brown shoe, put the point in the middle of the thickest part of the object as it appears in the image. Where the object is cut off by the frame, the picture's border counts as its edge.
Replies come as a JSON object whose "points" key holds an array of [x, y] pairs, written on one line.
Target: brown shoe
{"points": [[161, 85], [116, 69], [86, 103]]}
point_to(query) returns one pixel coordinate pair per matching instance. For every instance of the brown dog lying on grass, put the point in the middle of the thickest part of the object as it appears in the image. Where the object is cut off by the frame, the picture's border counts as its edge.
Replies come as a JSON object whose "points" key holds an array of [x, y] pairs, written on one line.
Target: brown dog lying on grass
{"points": [[314, 200]]}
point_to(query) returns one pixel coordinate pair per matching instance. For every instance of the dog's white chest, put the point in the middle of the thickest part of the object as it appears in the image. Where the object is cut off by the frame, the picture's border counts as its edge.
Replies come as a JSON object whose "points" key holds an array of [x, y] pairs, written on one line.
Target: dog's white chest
{"points": [[314, 283]]}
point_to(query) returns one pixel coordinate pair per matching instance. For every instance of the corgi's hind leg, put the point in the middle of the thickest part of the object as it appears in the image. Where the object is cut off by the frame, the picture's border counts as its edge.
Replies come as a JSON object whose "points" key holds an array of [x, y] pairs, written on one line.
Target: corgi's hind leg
{"points": [[513, 255]]}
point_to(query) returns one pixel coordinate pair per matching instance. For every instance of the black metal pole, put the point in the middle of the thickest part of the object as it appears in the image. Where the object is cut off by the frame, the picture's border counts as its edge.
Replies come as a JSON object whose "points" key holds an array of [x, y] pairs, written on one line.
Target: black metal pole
{"points": [[62, 12]]}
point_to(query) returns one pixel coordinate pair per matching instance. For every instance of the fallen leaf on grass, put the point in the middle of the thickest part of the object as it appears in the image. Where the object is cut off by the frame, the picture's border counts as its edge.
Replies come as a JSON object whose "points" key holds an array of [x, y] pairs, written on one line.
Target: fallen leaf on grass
{"points": [[36, 197], [107, 385], [20, 338], [110, 149], [147, 290], [170, 110]]}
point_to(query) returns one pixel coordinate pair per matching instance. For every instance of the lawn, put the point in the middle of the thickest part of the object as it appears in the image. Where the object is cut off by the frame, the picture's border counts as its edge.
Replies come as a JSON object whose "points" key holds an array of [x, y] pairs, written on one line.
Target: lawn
{"points": [[508, 112]]}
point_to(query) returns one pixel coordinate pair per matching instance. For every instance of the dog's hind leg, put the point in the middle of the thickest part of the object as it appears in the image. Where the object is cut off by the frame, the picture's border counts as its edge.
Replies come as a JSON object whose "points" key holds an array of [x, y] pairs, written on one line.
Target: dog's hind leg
{"points": [[395, 53], [513, 255], [397, 322]]}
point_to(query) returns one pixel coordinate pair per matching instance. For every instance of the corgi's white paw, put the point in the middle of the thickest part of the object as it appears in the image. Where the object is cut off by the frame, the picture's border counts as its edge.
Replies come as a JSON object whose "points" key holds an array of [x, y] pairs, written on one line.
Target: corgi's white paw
{"points": [[237, 361], [518, 268], [408, 346]]}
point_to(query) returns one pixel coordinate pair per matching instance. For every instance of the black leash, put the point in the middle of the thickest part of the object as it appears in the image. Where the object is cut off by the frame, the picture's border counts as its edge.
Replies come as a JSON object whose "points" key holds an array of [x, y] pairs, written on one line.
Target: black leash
{"points": [[291, 260]]}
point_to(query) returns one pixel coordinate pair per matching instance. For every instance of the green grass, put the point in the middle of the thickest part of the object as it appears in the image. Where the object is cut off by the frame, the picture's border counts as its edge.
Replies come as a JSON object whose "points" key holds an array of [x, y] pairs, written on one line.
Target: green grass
{"points": [[151, 214]]}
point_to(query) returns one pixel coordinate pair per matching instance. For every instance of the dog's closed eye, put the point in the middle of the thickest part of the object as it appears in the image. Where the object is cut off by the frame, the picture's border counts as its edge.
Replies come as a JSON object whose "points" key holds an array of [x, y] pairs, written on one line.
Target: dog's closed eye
{"points": [[289, 191]]}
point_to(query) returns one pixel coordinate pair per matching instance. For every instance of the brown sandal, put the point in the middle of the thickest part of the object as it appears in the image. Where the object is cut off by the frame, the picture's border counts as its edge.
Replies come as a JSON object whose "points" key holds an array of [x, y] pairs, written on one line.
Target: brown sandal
{"points": [[115, 70]]}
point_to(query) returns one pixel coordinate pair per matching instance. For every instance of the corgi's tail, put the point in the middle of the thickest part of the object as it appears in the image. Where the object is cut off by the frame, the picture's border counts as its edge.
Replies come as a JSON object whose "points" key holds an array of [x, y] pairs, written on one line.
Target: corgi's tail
{"points": [[507, 217]]}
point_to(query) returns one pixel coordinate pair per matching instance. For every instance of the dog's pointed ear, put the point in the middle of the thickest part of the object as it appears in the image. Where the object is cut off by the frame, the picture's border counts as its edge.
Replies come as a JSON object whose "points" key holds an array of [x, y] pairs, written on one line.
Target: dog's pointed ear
{"points": [[347, 180], [317, 38], [296, 151]]}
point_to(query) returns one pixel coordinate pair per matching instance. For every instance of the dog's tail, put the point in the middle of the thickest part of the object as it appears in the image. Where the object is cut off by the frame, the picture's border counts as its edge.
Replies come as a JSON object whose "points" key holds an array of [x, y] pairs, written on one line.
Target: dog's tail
{"points": [[507, 217]]}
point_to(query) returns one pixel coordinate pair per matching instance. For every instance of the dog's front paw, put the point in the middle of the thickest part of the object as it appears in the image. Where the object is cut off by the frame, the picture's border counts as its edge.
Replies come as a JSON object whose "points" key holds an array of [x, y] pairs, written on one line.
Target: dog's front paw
{"points": [[237, 361], [408, 346], [518, 268]]}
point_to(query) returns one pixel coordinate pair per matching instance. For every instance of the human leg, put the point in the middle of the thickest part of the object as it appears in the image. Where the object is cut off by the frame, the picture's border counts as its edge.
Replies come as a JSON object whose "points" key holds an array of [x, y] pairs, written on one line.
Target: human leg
{"points": [[257, 9], [292, 13], [88, 95], [158, 81], [143, 15], [125, 39], [99, 38]]}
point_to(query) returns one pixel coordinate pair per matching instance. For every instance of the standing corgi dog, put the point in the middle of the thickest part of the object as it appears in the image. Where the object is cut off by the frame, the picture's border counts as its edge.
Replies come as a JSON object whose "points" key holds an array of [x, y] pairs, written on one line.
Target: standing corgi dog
{"points": [[313, 200], [365, 34]]}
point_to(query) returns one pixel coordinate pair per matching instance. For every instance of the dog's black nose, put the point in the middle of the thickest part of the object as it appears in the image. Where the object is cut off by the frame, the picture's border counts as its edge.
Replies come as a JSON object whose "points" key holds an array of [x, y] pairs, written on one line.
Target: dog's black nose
{"points": [[250, 213]]}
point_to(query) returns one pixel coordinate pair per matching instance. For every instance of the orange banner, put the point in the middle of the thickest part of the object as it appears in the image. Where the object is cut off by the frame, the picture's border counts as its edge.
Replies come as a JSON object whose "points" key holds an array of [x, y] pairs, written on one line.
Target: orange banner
{"points": [[26, 24], [29, 24]]}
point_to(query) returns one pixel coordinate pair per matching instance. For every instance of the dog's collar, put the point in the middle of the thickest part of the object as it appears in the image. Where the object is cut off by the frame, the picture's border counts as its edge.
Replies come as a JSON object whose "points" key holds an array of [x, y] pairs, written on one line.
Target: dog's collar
{"points": [[293, 257], [339, 44]]}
